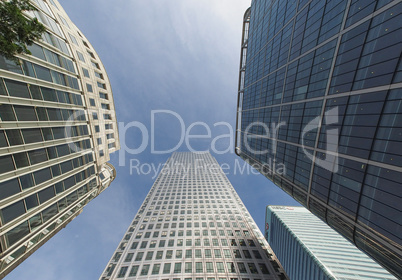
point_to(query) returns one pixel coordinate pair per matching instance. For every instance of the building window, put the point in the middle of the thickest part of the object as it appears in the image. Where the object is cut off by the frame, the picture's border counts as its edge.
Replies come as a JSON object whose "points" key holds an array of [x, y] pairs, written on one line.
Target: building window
{"points": [[177, 268], [90, 53], [103, 95], [209, 267], [134, 245], [166, 268], [134, 271], [188, 267], [86, 72], [149, 255], [220, 267], [129, 257], [242, 267], [169, 254], [139, 256], [263, 268], [122, 272], [13, 211], [198, 267], [145, 269], [155, 269], [159, 255], [252, 268], [189, 254], [257, 254], [96, 65], [80, 56], [98, 75], [101, 85]]}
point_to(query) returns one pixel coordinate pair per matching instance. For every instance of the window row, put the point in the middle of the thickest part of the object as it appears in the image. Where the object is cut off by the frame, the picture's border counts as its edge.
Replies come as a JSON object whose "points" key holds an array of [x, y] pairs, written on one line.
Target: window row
{"points": [[29, 203], [51, 57], [196, 212], [196, 224], [15, 137], [188, 254], [24, 159], [17, 185], [207, 202], [199, 232], [189, 242], [23, 90], [198, 267], [28, 113], [56, 42], [37, 71], [189, 218], [204, 232], [23, 229], [223, 204]]}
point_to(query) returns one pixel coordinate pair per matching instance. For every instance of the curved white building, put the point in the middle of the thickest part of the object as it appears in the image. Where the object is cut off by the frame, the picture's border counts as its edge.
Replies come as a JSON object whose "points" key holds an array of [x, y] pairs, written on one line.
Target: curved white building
{"points": [[57, 129]]}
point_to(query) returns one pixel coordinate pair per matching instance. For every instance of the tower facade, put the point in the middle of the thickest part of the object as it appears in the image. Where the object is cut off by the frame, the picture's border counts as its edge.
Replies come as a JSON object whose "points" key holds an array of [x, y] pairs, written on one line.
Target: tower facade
{"points": [[193, 226], [57, 128], [309, 249], [320, 92]]}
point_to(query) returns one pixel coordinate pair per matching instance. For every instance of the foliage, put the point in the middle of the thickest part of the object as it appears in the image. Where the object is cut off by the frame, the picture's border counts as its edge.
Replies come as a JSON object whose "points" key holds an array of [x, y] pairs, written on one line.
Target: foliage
{"points": [[16, 30]]}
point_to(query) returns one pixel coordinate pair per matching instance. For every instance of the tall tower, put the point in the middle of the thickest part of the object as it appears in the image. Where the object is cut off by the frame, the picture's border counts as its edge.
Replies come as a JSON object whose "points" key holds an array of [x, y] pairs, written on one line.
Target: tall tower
{"points": [[309, 249], [193, 225], [320, 92], [57, 128]]}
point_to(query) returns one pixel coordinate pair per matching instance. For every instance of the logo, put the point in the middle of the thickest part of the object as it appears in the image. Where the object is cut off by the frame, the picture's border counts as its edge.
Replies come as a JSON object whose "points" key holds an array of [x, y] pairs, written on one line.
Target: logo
{"points": [[330, 162]]}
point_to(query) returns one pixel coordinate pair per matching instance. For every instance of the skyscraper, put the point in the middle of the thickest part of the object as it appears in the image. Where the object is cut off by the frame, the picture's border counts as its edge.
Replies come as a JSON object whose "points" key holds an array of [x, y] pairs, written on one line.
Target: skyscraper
{"points": [[320, 92], [193, 225], [57, 128], [309, 249]]}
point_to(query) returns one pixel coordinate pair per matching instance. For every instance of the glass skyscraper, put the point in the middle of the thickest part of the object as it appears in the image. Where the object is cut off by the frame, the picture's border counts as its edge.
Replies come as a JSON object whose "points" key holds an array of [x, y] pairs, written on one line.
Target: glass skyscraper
{"points": [[309, 249], [57, 128], [320, 92], [193, 226]]}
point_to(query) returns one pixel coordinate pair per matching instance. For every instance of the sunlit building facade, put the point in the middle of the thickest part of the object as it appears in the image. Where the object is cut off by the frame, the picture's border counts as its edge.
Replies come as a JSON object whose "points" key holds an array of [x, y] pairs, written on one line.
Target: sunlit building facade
{"points": [[309, 249], [193, 226], [57, 129], [320, 92]]}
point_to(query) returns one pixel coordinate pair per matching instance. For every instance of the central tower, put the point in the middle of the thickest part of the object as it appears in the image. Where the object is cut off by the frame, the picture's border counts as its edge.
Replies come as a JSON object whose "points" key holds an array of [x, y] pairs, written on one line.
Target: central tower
{"points": [[193, 225]]}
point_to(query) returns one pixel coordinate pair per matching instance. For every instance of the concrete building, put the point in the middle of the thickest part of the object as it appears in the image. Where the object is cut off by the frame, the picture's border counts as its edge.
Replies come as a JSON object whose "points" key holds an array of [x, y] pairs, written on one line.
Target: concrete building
{"points": [[193, 226], [57, 128]]}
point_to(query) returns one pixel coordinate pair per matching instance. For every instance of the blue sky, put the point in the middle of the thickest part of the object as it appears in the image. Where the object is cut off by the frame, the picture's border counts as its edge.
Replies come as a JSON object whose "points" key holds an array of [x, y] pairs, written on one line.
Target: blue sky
{"points": [[178, 55]]}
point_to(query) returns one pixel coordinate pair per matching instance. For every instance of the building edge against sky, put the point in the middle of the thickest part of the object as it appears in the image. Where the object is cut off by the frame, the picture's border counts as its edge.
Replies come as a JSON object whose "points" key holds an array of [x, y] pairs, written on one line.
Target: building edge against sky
{"points": [[306, 59], [309, 249], [192, 225], [57, 128]]}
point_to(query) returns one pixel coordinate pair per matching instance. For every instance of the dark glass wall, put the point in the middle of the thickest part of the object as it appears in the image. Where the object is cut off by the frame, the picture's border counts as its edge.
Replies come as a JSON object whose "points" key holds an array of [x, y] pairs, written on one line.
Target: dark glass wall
{"points": [[327, 75]]}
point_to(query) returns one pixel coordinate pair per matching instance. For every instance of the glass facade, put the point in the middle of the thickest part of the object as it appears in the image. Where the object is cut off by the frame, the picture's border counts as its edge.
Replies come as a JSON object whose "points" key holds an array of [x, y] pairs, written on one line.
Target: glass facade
{"points": [[193, 226], [51, 165], [309, 249], [320, 92]]}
